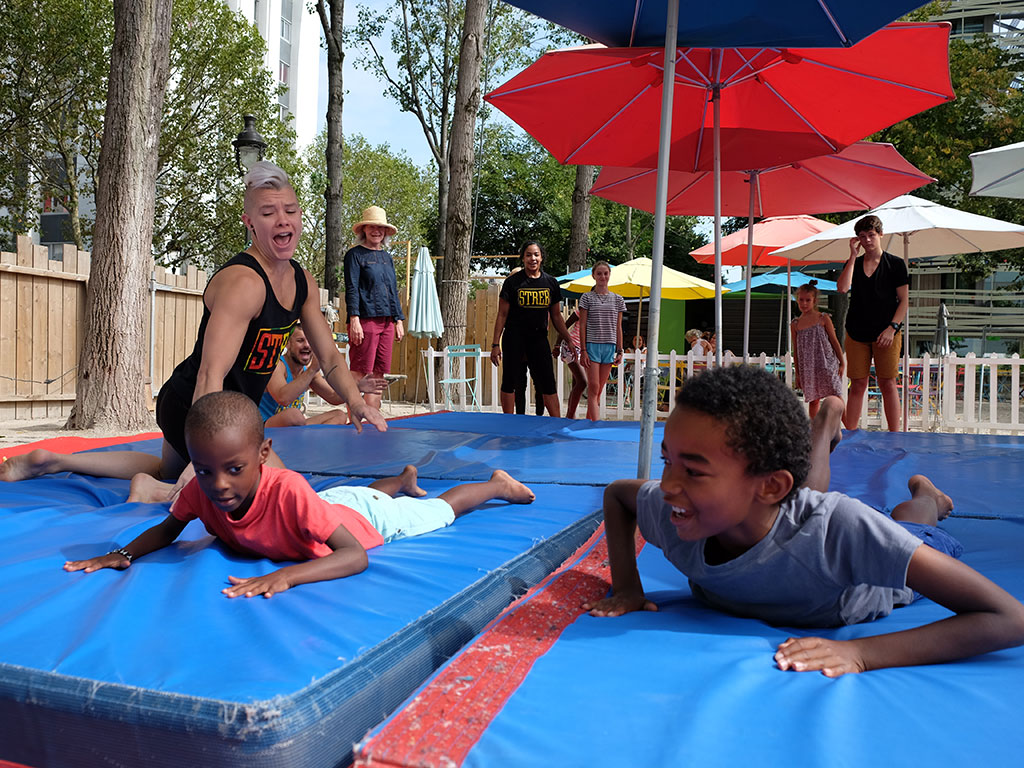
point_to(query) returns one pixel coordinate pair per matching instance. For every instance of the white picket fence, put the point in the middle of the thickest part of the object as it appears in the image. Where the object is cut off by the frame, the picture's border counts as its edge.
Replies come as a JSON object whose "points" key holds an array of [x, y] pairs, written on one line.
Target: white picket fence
{"points": [[945, 394]]}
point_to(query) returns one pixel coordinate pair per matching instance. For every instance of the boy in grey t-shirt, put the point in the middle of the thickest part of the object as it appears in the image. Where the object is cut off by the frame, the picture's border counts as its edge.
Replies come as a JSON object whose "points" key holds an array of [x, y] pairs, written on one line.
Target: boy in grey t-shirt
{"points": [[742, 509]]}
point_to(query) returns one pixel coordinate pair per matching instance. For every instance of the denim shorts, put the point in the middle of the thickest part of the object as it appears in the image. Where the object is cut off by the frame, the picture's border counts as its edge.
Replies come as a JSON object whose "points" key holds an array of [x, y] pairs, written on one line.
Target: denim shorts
{"points": [[393, 518], [936, 538], [601, 353]]}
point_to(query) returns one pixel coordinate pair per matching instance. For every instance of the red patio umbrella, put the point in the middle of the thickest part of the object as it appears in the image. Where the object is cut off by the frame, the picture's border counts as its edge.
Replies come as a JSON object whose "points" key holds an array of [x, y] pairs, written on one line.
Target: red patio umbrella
{"points": [[768, 235], [601, 106], [860, 177]]}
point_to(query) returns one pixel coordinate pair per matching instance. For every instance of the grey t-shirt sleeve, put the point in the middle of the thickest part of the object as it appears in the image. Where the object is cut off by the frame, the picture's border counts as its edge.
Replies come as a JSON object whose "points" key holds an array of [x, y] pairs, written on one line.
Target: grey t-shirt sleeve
{"points": [[865, 546]]}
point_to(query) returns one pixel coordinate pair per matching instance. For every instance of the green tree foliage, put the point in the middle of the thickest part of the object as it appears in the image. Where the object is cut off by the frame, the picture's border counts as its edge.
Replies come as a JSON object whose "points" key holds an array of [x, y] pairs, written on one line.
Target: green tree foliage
{"points": [[986, 113], [526, 195], [53, 83], [51, 118], [419, 72], [374, 175], [217, 75]]}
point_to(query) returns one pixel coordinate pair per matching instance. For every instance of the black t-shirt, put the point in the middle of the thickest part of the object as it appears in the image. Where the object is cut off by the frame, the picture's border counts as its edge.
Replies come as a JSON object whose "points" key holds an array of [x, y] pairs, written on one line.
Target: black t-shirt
{"points": [[530, 300], [873, 300], [261, 348]]}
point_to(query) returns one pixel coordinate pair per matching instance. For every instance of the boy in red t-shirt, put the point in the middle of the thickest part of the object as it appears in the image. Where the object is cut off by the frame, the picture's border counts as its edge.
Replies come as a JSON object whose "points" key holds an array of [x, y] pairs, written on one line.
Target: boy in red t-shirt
{"points": [[274, 513]]}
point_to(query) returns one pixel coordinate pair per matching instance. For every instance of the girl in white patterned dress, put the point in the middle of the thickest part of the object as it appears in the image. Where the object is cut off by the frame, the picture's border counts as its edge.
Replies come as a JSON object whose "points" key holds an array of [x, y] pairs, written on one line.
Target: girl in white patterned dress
{"points": [[817, 357]]}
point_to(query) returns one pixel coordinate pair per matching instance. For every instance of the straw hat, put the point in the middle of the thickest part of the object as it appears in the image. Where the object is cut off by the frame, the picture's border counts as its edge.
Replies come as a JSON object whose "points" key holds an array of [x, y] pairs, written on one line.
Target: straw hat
{"points": [[374, 215]]}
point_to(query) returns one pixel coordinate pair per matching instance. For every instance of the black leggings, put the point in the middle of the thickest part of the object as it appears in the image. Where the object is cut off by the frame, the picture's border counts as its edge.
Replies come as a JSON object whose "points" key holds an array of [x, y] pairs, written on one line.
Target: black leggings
{"points": [[170, 417], [532, 352]]}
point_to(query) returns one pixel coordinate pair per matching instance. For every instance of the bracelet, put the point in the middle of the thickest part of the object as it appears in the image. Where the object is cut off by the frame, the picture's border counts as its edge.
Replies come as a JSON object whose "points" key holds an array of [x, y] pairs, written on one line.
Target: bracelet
{"points": [[495, 345], [124, 553]]}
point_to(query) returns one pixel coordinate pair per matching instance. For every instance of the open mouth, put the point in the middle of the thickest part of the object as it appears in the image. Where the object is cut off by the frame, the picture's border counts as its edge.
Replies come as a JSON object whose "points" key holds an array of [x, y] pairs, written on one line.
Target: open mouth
{"points": [[282, 239]]}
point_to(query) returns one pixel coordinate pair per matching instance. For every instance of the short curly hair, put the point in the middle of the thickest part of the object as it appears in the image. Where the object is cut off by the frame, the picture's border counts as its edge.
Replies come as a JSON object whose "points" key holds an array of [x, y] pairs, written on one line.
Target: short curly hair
{"points": [[764, 421], [214, 412]]}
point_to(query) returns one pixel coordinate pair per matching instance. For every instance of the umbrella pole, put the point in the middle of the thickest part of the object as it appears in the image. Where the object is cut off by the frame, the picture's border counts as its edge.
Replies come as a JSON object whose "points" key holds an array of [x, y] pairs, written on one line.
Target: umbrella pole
{"points": [[716, 96], [906, 337], [750, 269], [650, 391]]}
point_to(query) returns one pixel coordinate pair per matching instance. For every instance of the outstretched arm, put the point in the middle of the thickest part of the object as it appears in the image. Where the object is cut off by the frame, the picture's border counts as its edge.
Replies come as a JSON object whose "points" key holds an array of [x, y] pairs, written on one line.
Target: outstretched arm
{"points": [[332, 362], [620, 532], [987, 619], [150, 540], [348, 558]]}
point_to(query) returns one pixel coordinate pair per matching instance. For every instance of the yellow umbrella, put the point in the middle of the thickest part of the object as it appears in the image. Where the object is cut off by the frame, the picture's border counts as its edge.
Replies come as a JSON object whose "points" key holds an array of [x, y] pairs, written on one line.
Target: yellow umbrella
{"points": [[633, 280]]}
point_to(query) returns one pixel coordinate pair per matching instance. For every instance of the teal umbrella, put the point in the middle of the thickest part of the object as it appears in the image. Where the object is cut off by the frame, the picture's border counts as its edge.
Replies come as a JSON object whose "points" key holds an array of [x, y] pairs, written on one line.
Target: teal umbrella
{"points": [[424, 308]]}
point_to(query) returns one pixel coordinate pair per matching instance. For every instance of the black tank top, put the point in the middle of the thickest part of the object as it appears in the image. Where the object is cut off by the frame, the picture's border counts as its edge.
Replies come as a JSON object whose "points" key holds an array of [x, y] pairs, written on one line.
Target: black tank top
{"points": [[261, 348]]}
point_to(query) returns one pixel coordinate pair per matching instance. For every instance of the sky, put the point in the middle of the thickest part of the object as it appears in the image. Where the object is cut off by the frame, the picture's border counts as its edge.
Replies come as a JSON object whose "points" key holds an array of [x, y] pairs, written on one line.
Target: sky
{"points": [[367, 110]]}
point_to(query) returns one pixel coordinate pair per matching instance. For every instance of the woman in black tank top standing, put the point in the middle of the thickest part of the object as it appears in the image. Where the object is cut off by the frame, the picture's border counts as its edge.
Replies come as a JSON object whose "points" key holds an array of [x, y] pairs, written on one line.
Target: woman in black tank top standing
{"points": [[250, 306]]}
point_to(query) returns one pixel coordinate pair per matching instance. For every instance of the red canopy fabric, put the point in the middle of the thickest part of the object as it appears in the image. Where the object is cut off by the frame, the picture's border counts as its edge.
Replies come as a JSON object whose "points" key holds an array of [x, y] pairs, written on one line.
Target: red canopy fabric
{"points": [[860, 177], [601, 106], [769, 234]]}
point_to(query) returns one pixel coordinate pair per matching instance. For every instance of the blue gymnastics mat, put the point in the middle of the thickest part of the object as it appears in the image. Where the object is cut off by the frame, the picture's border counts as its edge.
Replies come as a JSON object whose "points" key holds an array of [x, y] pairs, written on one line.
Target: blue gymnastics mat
{"points": [[690, 686], [153, 666]]}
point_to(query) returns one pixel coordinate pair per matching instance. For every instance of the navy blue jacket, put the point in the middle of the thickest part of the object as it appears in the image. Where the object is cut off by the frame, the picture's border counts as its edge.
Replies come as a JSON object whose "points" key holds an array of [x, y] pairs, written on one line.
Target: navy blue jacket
{"points": [[371, 286]]}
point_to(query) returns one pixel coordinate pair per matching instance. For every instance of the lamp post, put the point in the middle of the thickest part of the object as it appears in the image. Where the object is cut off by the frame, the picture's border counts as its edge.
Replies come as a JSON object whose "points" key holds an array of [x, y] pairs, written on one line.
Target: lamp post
{"points": [[249, 147]]}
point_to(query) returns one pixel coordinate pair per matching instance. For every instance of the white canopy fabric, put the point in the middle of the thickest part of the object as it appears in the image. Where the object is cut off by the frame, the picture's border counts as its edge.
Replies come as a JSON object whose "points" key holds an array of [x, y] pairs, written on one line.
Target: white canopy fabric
{"points": [[931, 229], [999, 172], [424, 307]]}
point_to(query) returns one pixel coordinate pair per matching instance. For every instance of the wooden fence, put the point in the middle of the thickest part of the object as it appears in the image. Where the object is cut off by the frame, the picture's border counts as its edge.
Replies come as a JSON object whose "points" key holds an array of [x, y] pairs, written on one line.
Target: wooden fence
{"points": [[42, 327]]}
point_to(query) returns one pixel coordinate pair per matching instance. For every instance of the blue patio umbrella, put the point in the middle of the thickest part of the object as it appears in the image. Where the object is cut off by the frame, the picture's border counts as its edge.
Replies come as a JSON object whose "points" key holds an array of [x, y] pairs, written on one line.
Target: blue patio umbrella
{"points": [[730, 23], [564, 280], [778, 282], [424, 308]]}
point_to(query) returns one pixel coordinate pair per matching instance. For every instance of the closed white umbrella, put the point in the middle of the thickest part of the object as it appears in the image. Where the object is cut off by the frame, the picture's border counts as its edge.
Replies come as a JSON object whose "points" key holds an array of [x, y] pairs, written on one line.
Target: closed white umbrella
{"points": [[999, 172], [424, 308]]}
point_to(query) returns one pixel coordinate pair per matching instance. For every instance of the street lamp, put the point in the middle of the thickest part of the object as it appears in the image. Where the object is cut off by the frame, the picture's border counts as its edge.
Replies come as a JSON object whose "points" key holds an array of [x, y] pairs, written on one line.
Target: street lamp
{"points": [[249, 146]]}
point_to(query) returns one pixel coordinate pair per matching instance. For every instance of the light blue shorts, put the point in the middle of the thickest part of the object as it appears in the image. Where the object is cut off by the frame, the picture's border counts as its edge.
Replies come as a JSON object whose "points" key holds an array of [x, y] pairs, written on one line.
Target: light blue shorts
{"points": [[393, 518], [601, 353]]}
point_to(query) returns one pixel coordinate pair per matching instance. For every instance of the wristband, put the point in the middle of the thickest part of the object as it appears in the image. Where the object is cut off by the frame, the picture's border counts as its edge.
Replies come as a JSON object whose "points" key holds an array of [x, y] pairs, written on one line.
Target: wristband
{"points": [[495, 345], [124, 553], [895, 326]]}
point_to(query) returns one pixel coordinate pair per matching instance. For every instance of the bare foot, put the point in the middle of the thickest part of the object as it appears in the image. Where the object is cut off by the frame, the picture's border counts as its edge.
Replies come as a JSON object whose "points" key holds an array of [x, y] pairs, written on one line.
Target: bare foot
{"points": [[409, 485], [511, 489], [920, 485], [146, 489], [27, 465]]}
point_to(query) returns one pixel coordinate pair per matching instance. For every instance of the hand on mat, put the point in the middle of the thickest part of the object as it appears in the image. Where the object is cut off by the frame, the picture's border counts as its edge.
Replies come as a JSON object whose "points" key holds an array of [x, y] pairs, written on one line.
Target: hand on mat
{"points": [[361, 412], [816, 654], [109, 560], [616, 605], [268, 585]]}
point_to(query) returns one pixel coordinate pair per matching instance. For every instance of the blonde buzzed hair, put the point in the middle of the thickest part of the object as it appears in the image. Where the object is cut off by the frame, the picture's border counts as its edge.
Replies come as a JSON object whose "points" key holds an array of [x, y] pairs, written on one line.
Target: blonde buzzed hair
{"points": [[265, 175]]}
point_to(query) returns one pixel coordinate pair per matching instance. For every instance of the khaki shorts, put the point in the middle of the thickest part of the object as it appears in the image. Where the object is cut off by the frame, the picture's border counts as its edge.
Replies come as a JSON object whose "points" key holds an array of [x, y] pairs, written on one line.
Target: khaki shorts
{"points": [[859, 354]]}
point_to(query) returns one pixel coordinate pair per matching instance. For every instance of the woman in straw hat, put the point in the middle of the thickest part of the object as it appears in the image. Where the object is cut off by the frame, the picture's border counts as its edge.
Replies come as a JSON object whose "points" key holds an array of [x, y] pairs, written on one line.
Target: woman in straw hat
{"points": [[371, 298]]}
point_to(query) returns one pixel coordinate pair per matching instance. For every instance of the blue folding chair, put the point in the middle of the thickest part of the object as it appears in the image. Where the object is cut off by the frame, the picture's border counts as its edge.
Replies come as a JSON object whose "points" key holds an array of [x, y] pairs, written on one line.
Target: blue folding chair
{"points": [[458, 354]]}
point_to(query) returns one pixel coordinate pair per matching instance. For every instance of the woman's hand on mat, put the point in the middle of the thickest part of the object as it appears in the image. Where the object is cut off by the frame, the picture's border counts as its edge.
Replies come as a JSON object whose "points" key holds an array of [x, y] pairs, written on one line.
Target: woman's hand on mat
{"points": [[816, 654], [616, 605], [109, 560], [268, 585]]}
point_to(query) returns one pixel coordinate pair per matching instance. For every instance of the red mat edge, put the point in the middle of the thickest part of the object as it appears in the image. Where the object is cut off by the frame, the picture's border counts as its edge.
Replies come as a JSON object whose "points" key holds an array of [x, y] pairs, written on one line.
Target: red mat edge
{"points": [[74, 444], [445, 720]]}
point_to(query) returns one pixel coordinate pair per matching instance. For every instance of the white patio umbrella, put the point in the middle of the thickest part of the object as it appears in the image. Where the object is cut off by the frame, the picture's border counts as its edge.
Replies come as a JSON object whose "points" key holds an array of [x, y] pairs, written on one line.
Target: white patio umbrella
{"points": [[424, 308], [933, 229], [999, 172]]}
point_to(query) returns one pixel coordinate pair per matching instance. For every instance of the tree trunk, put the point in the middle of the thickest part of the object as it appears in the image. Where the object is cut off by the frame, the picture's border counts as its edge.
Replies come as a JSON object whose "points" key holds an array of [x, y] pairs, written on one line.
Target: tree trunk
{"points": [[442, 202], [579, 232], [111, 371], [334, 256], [459, 223]]}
